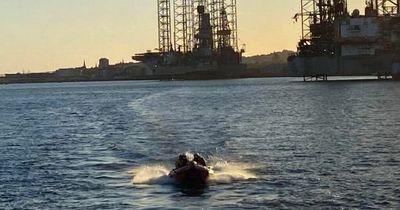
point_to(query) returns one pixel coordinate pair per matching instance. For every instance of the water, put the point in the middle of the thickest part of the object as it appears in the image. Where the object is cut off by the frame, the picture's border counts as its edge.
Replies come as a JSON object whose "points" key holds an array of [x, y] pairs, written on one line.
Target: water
{"points": [[273, 143]]}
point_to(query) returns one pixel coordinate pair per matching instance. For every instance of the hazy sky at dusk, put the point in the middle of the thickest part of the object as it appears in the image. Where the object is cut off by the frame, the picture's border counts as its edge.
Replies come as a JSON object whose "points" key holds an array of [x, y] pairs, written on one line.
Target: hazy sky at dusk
{"points": [[43, 35]]}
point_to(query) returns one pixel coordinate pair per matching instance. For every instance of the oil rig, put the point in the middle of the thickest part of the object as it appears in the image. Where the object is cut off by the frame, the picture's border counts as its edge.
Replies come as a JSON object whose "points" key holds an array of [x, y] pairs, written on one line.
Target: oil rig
{"points": [[197, 39], [337, 43]]}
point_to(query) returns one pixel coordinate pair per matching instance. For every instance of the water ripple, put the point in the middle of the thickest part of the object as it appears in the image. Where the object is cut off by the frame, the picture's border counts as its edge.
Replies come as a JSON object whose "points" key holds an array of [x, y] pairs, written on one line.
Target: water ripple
{"points": [[273, 143]]}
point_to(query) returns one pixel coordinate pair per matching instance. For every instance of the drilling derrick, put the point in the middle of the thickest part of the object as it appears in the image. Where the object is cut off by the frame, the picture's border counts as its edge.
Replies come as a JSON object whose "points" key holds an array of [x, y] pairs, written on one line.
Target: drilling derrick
{"points": [[183, 20], [186, 21], [197, 40], [195, 4], [385, 7], [164, 25], [336, 43], [318, 19], [204, 36], [224, 17], [224, 32], [214, 19], [231, 12], [308, 8]]}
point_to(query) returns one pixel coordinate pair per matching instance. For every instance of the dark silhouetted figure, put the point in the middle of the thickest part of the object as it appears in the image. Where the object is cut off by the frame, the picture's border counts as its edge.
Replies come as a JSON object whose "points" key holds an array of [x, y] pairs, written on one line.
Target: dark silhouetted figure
{"points": [[200, 160], [182, 161]]}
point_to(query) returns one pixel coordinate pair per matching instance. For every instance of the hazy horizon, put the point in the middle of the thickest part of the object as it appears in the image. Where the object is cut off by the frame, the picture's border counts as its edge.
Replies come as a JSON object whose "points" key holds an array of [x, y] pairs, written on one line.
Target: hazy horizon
{"points": [[44, 35]]}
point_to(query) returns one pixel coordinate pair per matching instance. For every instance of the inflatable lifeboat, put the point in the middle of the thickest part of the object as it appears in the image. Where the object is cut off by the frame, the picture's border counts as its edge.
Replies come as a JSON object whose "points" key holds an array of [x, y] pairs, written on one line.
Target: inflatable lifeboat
{"points": [[191, 174]]}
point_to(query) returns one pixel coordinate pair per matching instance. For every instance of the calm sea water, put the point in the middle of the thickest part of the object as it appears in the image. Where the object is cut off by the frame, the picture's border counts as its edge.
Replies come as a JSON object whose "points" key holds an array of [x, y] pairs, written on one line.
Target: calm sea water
{"points": [[273, 143]]}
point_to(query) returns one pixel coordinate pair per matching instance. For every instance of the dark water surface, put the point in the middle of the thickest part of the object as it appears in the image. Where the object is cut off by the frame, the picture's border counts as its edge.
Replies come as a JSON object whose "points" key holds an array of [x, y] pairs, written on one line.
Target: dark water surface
{"points": [[274, 143]]}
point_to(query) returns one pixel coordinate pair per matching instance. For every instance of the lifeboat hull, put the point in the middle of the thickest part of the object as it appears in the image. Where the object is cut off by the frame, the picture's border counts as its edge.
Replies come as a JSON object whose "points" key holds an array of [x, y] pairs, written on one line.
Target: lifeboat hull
{"points": [[192, 174]]}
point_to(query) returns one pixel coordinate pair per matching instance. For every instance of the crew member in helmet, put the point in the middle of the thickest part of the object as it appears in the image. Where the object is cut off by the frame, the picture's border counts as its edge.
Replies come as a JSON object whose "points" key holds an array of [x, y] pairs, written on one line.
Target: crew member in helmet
{"points": [[182, 161], [200, 160]]}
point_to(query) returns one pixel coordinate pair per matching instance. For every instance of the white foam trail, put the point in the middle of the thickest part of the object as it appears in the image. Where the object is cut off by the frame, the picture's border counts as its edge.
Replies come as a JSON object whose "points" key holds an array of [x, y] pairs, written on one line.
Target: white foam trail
{"points": [[222, 172], [225, 172], [150, 175]]}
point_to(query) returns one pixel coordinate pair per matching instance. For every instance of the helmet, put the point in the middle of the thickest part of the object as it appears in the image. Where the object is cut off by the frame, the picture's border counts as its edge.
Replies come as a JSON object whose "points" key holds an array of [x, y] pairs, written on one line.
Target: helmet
{"points": [[182, 157]]}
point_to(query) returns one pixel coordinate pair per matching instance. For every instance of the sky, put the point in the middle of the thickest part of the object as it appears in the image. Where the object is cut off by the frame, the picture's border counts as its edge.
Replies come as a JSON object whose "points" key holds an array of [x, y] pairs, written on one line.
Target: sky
{"points": [[45, 35]]}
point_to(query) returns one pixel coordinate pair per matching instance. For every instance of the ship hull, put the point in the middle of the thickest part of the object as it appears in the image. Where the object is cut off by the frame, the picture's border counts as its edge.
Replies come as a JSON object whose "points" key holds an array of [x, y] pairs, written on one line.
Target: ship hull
{"points": [[210, 72], [340, 66], [192, 174]]}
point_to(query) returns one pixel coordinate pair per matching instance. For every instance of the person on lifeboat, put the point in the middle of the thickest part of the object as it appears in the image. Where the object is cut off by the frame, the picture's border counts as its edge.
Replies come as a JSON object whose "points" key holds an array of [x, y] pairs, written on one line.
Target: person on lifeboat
{"points": [[183, 161], [199, 159], [191, 172]]}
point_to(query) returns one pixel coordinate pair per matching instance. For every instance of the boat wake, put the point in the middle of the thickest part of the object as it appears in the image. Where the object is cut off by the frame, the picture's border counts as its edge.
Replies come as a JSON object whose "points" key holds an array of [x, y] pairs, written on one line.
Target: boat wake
{"points": [[155, 174], [222, 172]]}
